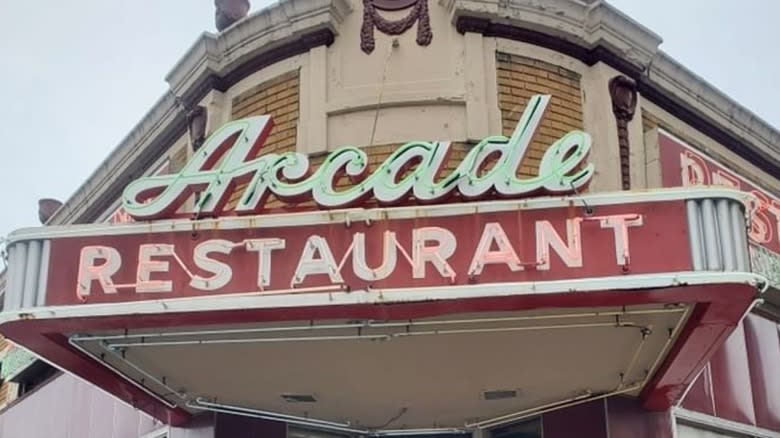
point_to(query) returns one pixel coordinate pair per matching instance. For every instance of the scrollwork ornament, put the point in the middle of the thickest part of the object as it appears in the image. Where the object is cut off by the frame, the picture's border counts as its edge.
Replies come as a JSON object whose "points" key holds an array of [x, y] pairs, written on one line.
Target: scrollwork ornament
{"points": [[373, 19]]}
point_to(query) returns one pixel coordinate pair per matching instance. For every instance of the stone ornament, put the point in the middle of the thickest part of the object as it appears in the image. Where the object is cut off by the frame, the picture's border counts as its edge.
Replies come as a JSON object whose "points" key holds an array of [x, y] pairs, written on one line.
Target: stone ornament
{"points": [[622, 90], [196, 124], [229, 11], [373, 19], [46, 209]]}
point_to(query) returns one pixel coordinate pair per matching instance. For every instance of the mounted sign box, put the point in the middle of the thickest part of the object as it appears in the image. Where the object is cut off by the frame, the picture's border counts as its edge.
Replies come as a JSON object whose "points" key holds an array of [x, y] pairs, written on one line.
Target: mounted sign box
{"points": [[533, 241], [228, 160], [647, 280], [685, 166], [482, 263], [540, 240]]}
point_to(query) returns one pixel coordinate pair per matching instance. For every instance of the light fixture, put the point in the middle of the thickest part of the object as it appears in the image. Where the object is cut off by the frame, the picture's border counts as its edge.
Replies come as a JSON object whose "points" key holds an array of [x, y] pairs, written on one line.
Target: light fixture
{"points": [[499, 394], [196, 125], [299, 398]]}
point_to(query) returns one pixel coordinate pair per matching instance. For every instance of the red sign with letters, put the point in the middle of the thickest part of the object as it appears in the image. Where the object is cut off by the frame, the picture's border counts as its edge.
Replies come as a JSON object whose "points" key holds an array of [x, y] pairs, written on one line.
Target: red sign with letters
{"points": [[507, 246], [685, 166]]}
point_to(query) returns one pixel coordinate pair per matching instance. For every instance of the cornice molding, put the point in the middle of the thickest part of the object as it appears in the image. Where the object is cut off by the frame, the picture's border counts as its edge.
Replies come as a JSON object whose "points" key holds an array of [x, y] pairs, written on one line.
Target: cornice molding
{"points": [[591, 31], [281, 30], [594, 32], [589, 26], [160, 127], [216, 62], [671, 78]]}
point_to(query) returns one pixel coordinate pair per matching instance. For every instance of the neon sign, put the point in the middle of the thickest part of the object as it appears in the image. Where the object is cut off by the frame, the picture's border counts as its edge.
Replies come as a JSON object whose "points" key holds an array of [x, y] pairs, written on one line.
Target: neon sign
{"points": [[684, 166], [419, 253], [229, 159]]}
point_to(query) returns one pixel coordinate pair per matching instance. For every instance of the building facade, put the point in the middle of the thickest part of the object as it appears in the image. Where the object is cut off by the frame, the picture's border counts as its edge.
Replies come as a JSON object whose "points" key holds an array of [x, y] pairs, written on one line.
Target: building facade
{"points": [[412, 218]]}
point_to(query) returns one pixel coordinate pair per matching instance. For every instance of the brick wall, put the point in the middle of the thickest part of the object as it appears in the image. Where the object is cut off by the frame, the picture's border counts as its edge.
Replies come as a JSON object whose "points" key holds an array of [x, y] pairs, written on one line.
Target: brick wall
{"points": [[277, 97], [519, 78], [7, 389]]}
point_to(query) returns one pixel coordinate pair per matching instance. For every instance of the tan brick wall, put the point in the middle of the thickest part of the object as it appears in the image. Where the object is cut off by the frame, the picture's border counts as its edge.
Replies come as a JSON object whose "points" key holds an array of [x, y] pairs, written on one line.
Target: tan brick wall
{"points": [[8, 392], [178, 159], [277, 97], [7, 389], [519, 78]]}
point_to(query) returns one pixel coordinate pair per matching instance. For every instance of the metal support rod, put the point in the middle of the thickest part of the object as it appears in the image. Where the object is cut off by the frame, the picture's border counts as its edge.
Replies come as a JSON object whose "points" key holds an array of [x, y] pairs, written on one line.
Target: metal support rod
{"points": [[637, 351], [550, 407], [378, 337], [372, 324], [119, 373], [202, 404]]}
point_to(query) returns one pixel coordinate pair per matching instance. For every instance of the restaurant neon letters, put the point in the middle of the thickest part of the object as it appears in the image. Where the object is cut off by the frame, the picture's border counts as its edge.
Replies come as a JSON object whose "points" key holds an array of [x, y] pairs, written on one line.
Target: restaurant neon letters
{"points": [[431, 246], [227, 159]]}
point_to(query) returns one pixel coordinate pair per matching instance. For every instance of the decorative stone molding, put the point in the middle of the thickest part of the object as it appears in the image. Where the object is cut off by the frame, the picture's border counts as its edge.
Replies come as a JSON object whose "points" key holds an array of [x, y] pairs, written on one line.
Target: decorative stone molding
{"points": [[622, 91], [158, 129], [597, 32], [591, 32], [46, 209], [283, 29], [573, 22], [196, 126], [373, 19], [720, 117], [229, 11]]}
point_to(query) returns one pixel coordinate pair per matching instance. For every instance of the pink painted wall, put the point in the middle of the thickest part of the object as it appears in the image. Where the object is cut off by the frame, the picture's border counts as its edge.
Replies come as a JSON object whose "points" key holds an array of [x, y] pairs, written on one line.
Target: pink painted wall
{"points": [[742, 382], [70, 408]]}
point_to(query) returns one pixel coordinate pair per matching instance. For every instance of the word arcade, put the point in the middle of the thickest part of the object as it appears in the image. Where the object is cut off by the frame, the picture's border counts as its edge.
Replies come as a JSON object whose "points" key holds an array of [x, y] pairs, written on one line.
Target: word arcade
{"points": [[227, 159], [505, 245]]}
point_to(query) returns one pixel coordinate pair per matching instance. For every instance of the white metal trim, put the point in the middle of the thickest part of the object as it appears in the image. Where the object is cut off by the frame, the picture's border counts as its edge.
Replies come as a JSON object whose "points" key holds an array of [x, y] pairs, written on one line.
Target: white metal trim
{"points": [[709, 422], [347, 216], [124, 376], [159, 433], [370, 324], [574, 401], [113, 348], [291, 299]]}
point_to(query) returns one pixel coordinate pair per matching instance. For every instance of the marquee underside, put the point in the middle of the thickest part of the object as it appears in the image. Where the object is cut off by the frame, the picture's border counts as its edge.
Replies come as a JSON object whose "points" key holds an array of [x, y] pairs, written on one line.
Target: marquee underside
{"points": [[462, 332], [437, 364], [417, 373]]}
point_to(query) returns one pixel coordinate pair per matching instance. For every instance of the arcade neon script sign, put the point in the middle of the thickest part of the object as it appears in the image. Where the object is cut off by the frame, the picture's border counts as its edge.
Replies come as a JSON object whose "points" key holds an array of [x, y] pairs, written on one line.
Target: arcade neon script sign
{"points": [[402, 247], [228, 160]]}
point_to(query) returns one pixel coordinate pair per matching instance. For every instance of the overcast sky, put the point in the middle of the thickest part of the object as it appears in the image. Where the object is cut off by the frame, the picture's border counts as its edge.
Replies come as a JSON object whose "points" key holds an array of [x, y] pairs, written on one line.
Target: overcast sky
{"points": [[77, 75]]}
